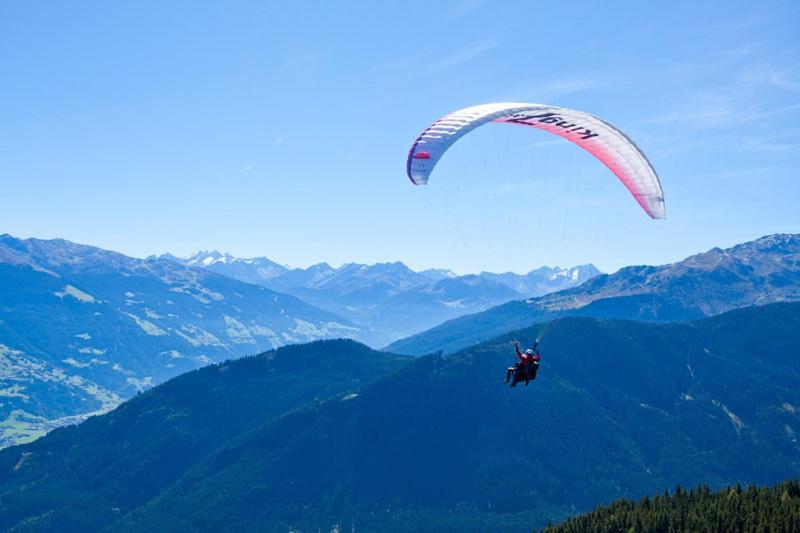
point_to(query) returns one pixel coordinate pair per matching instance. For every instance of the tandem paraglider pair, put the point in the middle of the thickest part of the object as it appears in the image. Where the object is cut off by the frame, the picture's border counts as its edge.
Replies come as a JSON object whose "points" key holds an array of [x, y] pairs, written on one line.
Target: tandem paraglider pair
{"points": [[526, 368], [601, 139]]}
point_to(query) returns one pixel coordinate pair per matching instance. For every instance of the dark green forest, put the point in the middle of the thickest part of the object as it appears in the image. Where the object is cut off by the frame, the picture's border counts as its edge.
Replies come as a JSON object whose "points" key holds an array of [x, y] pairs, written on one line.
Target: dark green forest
{"points": [[757, 509]]}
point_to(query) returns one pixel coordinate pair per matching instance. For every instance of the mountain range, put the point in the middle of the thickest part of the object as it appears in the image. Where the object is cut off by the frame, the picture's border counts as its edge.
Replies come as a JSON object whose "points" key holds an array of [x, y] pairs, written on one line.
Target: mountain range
{"points": [[390, 300], [83, 328], [763, 271], [333, 435]]}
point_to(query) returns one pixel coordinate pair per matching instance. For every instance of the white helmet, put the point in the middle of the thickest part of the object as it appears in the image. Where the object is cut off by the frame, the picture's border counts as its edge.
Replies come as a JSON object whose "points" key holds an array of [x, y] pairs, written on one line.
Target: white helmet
{"points": [[528, 352]]}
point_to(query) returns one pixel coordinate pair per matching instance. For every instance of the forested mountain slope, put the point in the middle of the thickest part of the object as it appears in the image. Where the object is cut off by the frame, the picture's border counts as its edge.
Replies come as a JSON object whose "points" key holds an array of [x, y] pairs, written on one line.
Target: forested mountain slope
{"points": [[620, 409]]}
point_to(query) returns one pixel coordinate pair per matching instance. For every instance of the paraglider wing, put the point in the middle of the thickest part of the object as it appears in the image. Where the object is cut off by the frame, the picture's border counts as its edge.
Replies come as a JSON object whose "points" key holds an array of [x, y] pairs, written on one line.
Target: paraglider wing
{"points": [[612, 147]]}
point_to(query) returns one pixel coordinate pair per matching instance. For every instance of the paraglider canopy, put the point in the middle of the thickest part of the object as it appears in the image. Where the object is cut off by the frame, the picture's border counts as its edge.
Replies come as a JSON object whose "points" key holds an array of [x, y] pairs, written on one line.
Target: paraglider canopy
{"points": [[608, 144]]}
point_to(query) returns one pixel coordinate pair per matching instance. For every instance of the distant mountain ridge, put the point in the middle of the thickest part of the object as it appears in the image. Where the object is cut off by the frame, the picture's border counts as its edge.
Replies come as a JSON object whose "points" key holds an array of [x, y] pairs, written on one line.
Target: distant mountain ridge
{"points": [[762, 271], [545, 280], [538, 281], [83, 328], [255, 270], [389, 299]]}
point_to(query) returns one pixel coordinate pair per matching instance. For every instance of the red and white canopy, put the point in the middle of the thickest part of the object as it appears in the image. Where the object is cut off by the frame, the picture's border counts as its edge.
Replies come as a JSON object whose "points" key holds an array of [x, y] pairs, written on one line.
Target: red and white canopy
{"points": [[599, 138]]}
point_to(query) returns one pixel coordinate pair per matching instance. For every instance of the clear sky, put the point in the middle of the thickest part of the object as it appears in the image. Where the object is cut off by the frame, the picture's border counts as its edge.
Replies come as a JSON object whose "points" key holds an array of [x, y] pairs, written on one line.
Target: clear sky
{"points": [[281, 128]]}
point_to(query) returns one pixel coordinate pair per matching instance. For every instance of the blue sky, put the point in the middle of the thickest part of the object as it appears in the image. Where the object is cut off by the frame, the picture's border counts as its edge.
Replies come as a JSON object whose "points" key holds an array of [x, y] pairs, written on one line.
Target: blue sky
{"points": [[281, 128]]}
